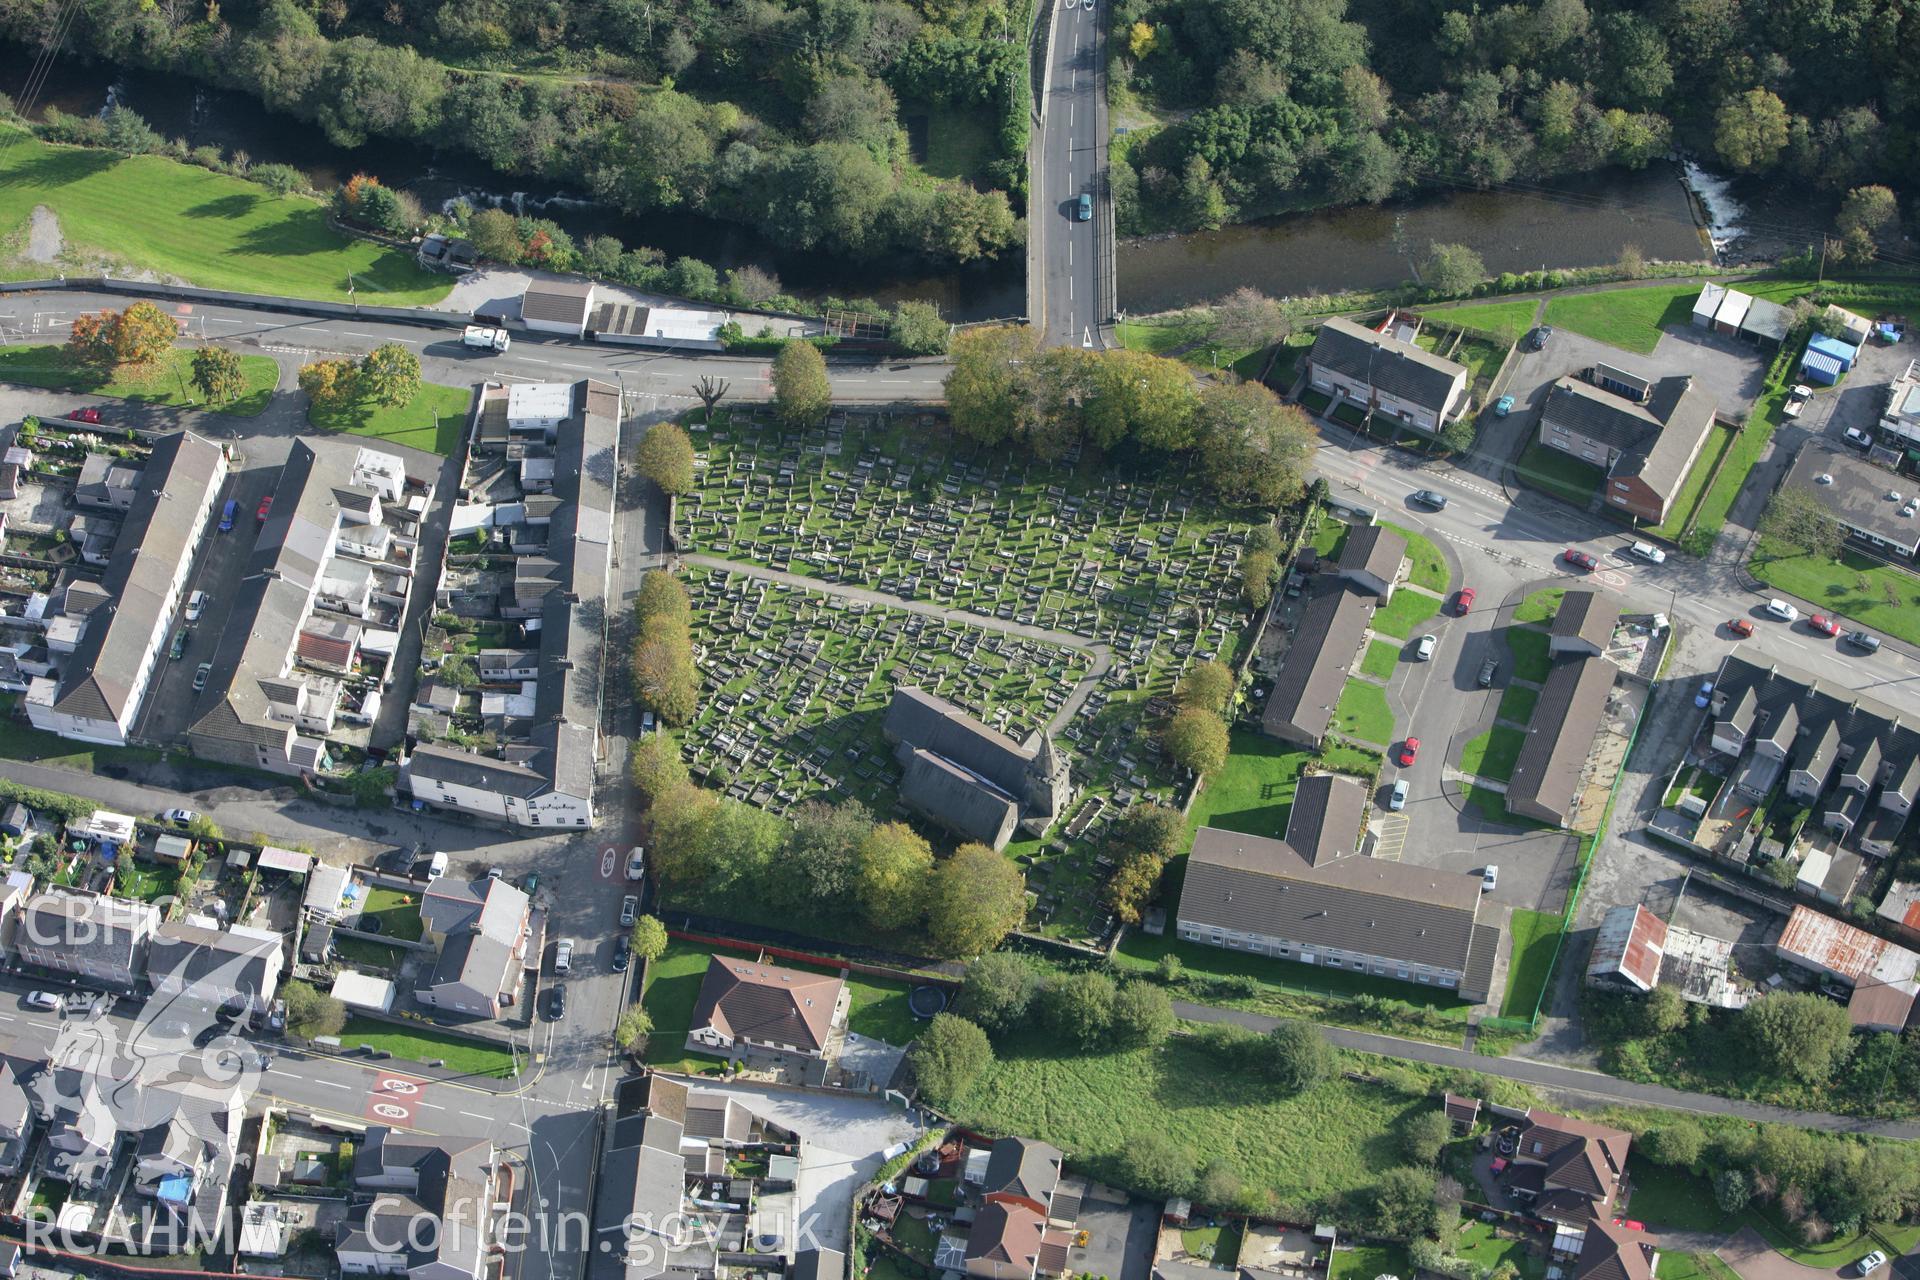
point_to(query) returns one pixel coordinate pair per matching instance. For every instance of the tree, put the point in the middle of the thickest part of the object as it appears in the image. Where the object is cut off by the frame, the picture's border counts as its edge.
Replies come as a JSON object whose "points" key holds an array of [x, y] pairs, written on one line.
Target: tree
{"points": [[1156, 1165], [312, 1013], [129, 133], [649, 939], [681, 820], [1867, 215], [664, 677], [917, 329], [1732, 1189], [1248, 318], [654, 766], [1796, 518], [495, 235], [1206, 685], [1664, 1009], [998, 991], [1078, 1007], [141, 335], [1796, 1035], [753, 286], [1132, 885], [329, 383], [1364, 170], [666, 458], [1156, 829], [1424, 1136], [1400, 1205], [820, 865], [390, 375], [1196, 740], [1750, 130], [1452, 269], [801, 391], [662, 595], [892, 874], [203, 827], [88, 337], [1254, 446], [1142, 1015], [1295, 1056], [1677, 1142], [631, 1032], [710, 390], [948, 1057], [217, 374], [1257, 573], [989, 381], [976, 898]]}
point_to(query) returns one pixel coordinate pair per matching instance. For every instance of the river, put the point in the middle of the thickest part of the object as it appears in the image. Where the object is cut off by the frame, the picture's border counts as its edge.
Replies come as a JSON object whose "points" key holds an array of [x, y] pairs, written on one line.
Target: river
{"points": [[1570, 222]]}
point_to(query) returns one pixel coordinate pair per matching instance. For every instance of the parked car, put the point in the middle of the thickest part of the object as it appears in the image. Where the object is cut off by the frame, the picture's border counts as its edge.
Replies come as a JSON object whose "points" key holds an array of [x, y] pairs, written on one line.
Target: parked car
{"points": [[563, 955], [1503, 406], [1580, 560], [88, 414], [1423, 647], [1782, 610], [1796, 401], [1537, 339], [436, 867], [637, 863], [1428, 497], [629, 908], [1397, 798], [227, 514], [45, 1000], [200, 674], [196, 605], [1858, 438], [1648, 552], [179, 649], [1864, 640], [1490, 877], [1408, 753], [260, 512], [1488, 670], [557, 1002], [1870, 1264], [181, 816], [622, 953], [1463, 603], [1740, 626], [1824, 625]]}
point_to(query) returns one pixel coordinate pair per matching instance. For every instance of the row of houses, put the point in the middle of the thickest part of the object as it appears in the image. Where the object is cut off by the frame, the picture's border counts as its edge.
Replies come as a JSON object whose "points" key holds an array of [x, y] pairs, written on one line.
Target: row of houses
{"points": [[1331, 633], [1387, 374], [1549, 780], [560, 443]]}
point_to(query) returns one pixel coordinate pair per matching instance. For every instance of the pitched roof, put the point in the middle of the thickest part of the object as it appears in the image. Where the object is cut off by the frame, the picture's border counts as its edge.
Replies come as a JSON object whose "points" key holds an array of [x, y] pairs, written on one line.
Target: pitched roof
{"points": [[1586, 615], [559, 301], [192, 954], [1008, 1235], [1023, 1167], [962, 801], [1375, 550], [1578, 1154], [1395, 368], [1613, 1252], [1560, 734], [916, 718], [766, 1004], [1314, 670], [1631, 943], [1324, 822]]}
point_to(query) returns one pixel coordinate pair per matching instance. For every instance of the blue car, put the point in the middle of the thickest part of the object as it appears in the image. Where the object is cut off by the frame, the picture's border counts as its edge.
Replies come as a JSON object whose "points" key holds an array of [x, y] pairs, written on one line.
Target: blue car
{"points": [[1503, 406], [226, 515], [1083, 212]]}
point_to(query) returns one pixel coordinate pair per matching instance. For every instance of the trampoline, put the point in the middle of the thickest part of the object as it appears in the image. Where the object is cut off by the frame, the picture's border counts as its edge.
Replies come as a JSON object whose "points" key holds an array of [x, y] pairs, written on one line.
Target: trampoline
{"points": [[927, 1001]]}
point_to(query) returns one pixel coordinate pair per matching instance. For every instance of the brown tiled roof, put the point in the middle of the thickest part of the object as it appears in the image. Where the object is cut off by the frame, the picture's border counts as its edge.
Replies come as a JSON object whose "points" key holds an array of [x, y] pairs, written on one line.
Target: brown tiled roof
{"points": [[1465, 1110], [561, 301], [1006, 1236], [1612, 1252], [766, 1004], [1548, 1135]]}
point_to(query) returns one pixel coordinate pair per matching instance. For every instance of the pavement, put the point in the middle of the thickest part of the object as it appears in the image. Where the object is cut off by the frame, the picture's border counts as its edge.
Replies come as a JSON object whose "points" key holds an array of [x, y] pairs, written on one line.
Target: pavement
{"points": [[1069, 261]]}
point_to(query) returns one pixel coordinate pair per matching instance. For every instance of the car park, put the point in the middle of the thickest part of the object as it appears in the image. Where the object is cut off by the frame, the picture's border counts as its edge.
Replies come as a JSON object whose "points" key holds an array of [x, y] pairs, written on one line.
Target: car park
{"points": [[1427, 497], [1397, 798], [1423, 647], [629, 908], [200, 674], [1740, 626], [1824, 625], [196, 605], [1409, 752], [1864, 640], [1503, 406], [1782, 610], [1463, 603], [563, 955], [1490, 878], [1488, 670], [179, 649], [1580, 560], [1648, 552]]}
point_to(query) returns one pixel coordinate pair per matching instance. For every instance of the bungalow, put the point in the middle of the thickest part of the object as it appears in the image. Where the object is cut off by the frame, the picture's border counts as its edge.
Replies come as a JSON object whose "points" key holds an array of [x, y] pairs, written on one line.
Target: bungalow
{"points": [[1327, 639], [1371, 559]]}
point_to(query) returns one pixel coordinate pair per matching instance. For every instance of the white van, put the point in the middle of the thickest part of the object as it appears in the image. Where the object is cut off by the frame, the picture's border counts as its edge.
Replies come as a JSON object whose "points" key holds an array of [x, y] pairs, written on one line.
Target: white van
{"points": [[437, 867]]}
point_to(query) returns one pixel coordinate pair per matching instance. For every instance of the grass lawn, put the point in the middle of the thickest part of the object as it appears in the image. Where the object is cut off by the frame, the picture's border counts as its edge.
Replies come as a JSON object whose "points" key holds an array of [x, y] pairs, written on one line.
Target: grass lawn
{"points": [[1670, 1199], [1364, 1262], [1286, 365], [1745, 452], [1504, 320], [1407, 610], [1306, 1147], [1478, 1243], [21, 741], [1693, 490], [1530, 658], [1219, 1245], [1330, 537], [1535, 937], [1429, 567], [1493, 753], [431, 420], [880, 1010], [167, 381], [673, 985], [1870, 593], [1493, 805], [1833, 1253], [1517, 703], [1382, 659], [958, 143], [1189, 329], [1560, 474], [363, 953], [421, 1045], [143, 881], [397, 912], [1630, 319], [1363, 713], [1253, 791], [1539, 606], [1695, 1266], [205, 227]]}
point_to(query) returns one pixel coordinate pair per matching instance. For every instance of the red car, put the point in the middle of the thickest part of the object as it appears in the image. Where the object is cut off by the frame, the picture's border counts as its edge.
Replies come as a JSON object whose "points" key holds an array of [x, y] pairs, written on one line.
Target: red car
{"points": [[1465, 601], [1740, 626], [266, 505], [1824, 625], [1408, 751], [84, 415], [1580, 560]]}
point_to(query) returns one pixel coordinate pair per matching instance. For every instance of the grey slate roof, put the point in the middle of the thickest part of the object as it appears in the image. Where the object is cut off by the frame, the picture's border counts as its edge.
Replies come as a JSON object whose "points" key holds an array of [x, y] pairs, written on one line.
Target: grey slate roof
{"points": [[1396, 368], [1315, 668], [176, 491], [1655, 440], [1586, 615], [1560, 733], [193, 954], [1023, 1167], [1375, 550], [469, 769], [969, 806], [1324, 823]]}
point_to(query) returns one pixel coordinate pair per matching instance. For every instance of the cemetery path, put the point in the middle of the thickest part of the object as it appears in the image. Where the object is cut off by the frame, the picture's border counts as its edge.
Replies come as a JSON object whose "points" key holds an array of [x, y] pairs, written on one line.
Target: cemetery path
{"points": [[1099, 656]]}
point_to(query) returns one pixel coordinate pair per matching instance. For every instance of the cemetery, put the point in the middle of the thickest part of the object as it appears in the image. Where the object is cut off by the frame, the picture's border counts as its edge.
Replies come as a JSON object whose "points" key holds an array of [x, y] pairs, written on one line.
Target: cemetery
{"points": [[1142, 571]]}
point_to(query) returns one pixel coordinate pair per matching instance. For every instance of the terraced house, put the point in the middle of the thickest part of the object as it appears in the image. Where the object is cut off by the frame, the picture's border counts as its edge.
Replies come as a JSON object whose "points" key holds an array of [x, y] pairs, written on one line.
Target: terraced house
{"points": [[1387, 376]]}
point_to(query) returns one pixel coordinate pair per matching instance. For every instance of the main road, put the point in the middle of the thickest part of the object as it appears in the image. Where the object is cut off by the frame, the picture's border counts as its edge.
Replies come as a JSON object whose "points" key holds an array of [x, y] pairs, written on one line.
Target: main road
{"points": [[1069, 260]]}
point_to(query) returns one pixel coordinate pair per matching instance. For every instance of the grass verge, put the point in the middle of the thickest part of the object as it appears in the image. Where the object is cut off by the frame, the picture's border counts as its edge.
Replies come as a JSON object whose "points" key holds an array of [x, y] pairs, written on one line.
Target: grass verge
{"points": [[1493, 753], [1530, 964], [167, 381], [1517, 703], [1381, 661], [1530, 658], [431, 421], [1407, 610], [1363, 713], [422, 1045], [1503, 320], [1539, 606], [1429, 567], [1863, 590], [1691, 500]]}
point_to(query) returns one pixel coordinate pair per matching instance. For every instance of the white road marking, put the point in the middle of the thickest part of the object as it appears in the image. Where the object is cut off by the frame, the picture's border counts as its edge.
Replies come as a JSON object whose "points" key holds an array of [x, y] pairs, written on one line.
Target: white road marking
{"points": [[531, 360], [357, 334], [332, 1084], [433, 1106], [474, 1115]]}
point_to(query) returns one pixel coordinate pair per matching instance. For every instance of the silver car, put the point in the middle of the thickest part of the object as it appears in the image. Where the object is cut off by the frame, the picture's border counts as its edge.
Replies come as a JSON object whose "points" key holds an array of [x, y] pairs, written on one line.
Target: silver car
{"points": [[1423, 648], [1397, 798]]}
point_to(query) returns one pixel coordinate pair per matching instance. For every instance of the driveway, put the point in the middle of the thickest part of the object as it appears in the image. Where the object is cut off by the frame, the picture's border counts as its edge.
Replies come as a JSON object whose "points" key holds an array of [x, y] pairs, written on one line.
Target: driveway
{"points": [[1121, 1233], [845, 1138], [1750, 1255]]}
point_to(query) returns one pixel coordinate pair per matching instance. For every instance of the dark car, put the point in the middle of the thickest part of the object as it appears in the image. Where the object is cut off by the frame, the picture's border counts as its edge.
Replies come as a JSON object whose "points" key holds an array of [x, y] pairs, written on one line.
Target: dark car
{"points": [[1580, 560], [1864, 640], [227, 514], [1488, 670], [1429, 498], [622, 954], [557, 1002], [1537, 340]]}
